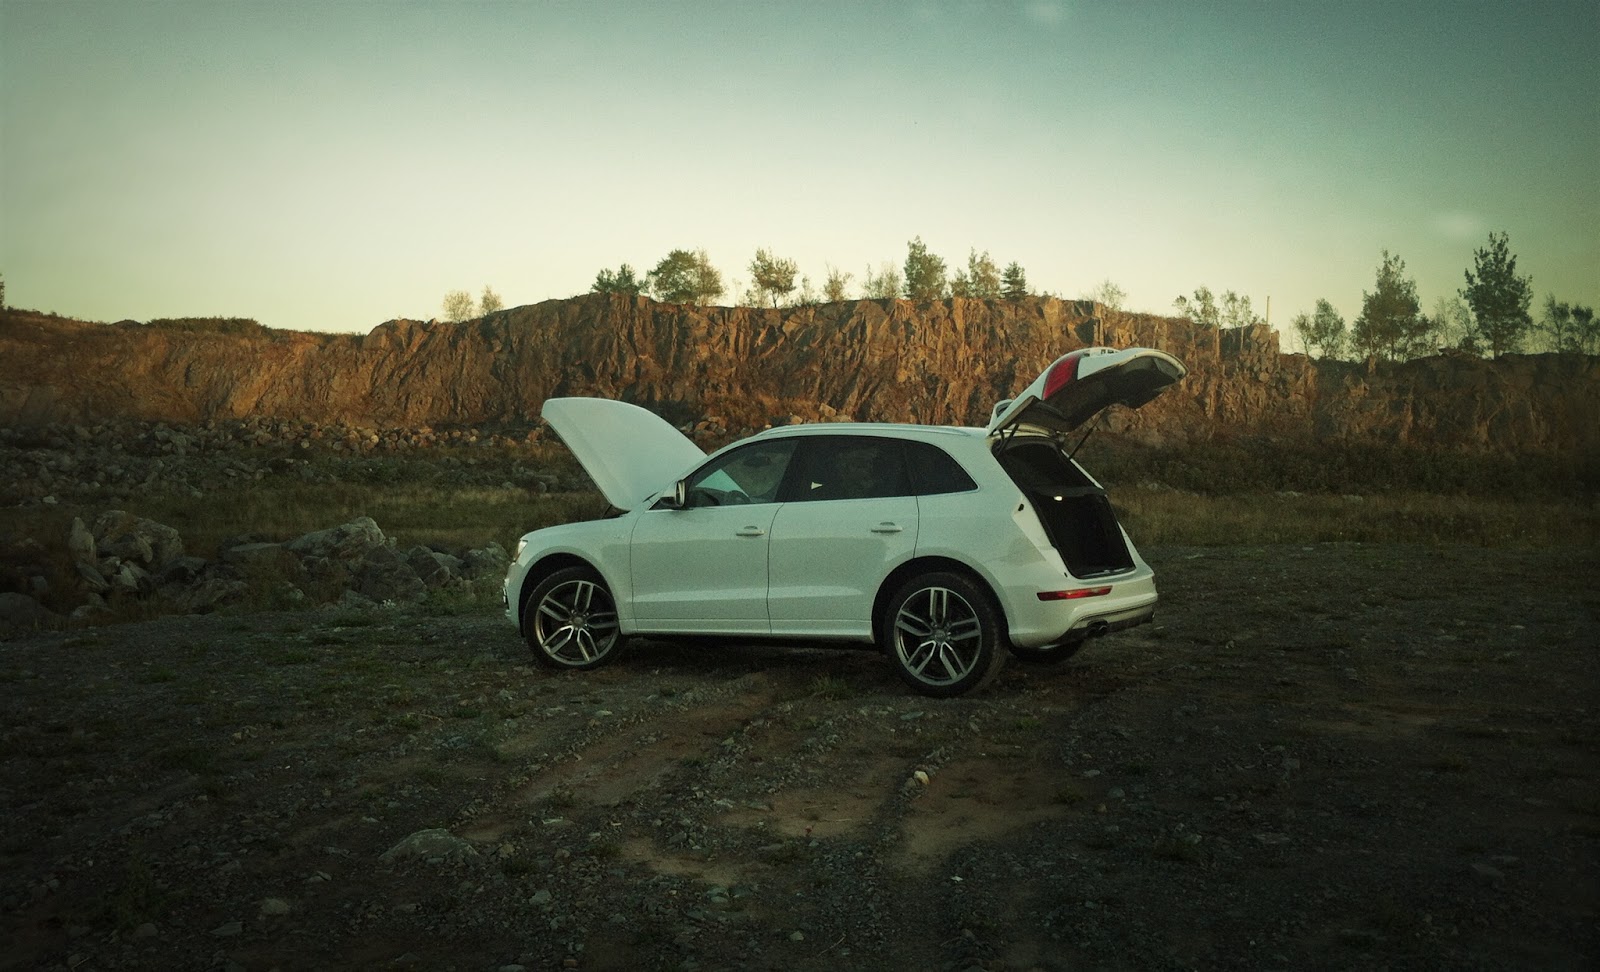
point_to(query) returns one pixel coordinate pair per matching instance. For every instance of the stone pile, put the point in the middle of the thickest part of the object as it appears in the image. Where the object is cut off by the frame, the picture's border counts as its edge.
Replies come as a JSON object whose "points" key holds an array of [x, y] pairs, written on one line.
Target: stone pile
{"points": [[121, 559]]}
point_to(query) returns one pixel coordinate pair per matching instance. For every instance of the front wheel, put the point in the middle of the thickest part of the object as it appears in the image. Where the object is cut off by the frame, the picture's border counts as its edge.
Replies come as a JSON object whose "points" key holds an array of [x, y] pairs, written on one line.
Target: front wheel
{"points": [[943, 635], [570, 621]]}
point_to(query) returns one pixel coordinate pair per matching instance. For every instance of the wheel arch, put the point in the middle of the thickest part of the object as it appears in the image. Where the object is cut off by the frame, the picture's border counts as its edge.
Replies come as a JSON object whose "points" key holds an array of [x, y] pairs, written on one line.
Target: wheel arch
{"points": [[538, 571], [927, 565]]}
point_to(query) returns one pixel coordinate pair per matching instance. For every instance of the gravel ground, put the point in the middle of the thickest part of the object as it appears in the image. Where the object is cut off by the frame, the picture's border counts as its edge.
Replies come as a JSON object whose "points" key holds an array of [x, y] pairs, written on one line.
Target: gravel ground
{"points": [[1340, 756]]}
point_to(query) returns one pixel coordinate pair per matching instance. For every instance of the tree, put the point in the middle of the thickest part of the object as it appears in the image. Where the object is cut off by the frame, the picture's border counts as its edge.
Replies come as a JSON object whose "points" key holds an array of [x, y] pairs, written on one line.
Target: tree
{"points": [[1202, 309], [683, 277], [924, 278], [1108, 295], [1586, 328], [1237, 312], [1391, 318], [1498, 297], [1322, 331], [1014, 282], [622, 281], [772, 276], [883, 285], [457, 306], [489, 302], [833, 289], [1567, 327], [980, 280], [1452, 324], [808, 294]]}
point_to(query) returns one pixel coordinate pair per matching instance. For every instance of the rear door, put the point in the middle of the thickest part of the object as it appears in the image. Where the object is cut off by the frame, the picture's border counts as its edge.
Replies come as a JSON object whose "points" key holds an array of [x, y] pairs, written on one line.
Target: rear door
{"points": [[849, 519]]}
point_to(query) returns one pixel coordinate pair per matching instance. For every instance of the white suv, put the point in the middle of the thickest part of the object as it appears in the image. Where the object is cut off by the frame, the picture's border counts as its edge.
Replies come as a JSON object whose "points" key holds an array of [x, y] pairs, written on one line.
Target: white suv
{"points": [[947, 547]]}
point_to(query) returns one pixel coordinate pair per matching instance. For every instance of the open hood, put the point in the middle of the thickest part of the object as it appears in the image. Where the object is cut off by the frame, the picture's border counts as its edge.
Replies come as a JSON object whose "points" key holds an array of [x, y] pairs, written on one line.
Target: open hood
{"points": [[630, 453], [1078, 386]]}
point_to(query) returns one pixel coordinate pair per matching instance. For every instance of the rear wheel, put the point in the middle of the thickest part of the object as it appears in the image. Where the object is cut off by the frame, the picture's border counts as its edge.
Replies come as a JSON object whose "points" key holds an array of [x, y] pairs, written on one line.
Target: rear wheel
{"points": [[570, 621], [943, 634]]}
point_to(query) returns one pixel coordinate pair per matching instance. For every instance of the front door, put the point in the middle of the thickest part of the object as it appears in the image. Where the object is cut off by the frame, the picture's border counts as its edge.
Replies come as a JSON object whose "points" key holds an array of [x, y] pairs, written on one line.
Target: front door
{"points": [[703, 568]]}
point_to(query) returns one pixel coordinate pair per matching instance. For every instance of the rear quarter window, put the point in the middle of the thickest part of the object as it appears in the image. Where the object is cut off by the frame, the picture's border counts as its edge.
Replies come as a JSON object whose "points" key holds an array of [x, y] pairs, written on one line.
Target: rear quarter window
{"points": [[933, 471]]}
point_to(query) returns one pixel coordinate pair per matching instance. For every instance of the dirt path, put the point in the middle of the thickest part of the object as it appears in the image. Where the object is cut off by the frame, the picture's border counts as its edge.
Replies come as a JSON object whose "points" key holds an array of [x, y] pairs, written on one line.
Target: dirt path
{"points": [[1334, 756]]}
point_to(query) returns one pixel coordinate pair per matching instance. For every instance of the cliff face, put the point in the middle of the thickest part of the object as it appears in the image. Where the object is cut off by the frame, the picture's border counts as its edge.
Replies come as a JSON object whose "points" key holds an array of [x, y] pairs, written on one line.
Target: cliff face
{"points": [[942, 362]]}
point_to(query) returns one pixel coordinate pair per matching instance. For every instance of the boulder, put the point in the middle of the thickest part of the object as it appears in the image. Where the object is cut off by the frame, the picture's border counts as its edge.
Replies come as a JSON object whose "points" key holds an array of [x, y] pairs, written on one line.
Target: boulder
{"points": [[486, 561], [80, 543], [433, 568], [93, 581], [21, 615], [429, 844], [213, 591], [263, 561], [385, 575], [348, 541], [183, 570], [118, 534]]}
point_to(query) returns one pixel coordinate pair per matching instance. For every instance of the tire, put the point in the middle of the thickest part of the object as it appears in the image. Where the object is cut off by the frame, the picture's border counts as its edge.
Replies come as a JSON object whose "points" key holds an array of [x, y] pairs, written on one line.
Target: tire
{"points": [[1053, 655], [570, 621], [942, 632]]}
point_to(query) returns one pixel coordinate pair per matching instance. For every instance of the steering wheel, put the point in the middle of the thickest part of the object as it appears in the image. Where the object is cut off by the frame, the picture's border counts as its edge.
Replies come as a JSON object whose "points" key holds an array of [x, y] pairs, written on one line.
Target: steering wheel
{"points": [[700, 496], [735, 498]]}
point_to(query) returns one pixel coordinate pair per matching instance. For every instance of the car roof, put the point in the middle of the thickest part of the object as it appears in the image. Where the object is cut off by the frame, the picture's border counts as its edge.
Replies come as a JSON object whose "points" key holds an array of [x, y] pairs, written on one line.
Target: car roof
{"points": [[868, 428]]}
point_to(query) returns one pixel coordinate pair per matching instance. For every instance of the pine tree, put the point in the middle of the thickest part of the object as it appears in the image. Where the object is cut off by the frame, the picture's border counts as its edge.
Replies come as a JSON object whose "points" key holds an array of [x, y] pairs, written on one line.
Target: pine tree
{"points": [[1498, 297]]}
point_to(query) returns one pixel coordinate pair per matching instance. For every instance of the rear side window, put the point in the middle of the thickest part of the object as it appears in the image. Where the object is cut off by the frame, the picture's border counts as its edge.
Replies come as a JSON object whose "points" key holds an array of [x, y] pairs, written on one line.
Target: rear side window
{"points": [[933, 471], [844, 467]]}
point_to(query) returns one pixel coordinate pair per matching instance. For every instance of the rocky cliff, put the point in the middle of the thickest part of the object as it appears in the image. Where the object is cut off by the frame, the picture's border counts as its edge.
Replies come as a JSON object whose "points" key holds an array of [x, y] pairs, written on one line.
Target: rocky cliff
{"points": [[741, 368]]}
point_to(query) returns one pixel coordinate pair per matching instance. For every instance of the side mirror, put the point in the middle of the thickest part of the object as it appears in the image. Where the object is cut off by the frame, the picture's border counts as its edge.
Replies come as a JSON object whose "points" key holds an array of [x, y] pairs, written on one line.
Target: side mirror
{"points": [[674, 500]]}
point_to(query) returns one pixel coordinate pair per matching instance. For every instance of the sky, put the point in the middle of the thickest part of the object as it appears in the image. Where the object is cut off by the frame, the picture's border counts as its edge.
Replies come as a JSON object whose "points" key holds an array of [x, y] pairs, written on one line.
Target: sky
{"points": [[331, 165]]}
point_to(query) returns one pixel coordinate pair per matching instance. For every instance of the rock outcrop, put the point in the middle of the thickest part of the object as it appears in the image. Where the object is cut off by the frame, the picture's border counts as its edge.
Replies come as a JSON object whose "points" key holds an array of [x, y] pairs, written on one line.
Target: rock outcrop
{"points": [[743, 368]]}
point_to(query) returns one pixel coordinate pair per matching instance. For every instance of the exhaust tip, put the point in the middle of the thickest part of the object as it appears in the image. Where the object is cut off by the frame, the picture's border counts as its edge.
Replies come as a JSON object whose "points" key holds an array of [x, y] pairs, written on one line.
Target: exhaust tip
{"points": [[1098, 629]]}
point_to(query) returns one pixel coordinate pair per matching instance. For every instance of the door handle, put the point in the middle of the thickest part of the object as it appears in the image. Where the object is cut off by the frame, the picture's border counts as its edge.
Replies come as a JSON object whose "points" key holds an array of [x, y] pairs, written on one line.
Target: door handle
{"points": [[752, 531], [887, 527]]}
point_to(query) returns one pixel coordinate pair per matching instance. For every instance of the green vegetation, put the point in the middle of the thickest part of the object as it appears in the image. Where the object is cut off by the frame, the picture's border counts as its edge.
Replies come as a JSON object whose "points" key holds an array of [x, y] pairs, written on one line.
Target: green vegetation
{"points": [[1569, 327], [1014, 282], [208, 325], [924, 272], [1207, 310], [1322, 332], [1391, 324], [620, 281], [980, 280], [684, 277], [1498, 297], [773, 277]]}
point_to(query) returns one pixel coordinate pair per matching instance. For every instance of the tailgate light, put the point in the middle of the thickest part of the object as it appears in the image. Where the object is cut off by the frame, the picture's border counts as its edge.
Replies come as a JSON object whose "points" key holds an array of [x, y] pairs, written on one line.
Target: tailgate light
{"points": [[1073, 595], [1062, 373]]}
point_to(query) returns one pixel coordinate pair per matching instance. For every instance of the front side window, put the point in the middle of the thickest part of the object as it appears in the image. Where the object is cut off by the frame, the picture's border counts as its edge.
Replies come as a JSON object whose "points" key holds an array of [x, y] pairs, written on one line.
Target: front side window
{"points": [[751, 474], [844, 467]]}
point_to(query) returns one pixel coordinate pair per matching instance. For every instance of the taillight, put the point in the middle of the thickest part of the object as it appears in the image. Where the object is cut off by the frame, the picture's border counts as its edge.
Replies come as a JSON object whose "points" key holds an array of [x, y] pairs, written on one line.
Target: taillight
{"points": [[1062, 373], [1073, 595]]}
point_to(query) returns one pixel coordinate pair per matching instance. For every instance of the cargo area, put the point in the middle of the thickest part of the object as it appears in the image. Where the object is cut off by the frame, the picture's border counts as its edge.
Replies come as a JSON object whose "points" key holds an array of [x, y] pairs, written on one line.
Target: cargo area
{"points": [[1075, 512]]}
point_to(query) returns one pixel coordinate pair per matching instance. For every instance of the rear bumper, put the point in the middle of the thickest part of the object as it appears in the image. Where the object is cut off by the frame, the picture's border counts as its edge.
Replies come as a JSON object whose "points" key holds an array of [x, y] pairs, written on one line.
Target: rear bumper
{"points": [[1095, 625]]}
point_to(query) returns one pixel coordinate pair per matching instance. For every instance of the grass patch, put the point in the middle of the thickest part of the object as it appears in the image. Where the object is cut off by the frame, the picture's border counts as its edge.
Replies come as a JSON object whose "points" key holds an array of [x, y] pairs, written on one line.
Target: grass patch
{"points": [[1158, 517]]}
